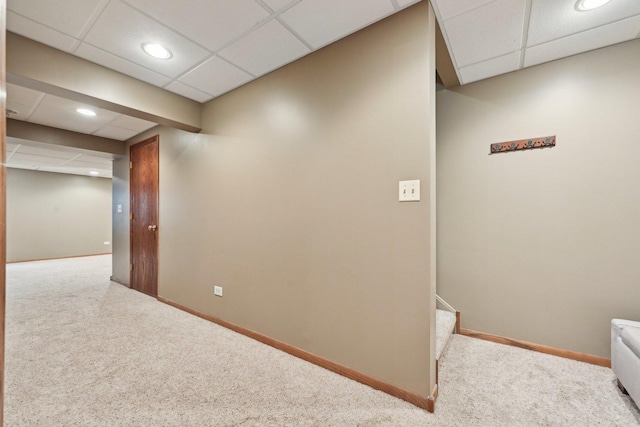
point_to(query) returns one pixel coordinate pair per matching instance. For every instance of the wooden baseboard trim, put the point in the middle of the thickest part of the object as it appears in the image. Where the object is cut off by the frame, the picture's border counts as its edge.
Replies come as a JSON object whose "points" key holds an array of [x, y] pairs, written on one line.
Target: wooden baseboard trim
{"points": [[457, 322], [119, 282], [60, 257], [567, 354], [427, 403]]}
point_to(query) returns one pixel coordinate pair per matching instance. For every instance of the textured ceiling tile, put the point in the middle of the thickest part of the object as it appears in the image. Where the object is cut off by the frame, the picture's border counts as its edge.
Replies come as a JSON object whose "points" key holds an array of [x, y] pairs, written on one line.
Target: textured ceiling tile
{"points": [[122, 31], [213, 24], [267, 48], [405, 3], [57, 153], [276, 5], [123, 66], [188, 92], [216, 77], [321, 22], [37, 159], [486, 32], [588, 40], [39, 33], [66, 16], [132, 123], [115, 133], [553, 19], [23, 95], [450, 8], [59, 112], [490, 68]]}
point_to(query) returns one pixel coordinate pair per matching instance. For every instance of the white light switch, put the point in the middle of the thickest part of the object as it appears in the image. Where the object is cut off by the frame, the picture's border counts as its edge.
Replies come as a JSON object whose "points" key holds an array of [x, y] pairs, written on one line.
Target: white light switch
{"points": [[409, 191], [119, 208], [217, 291]]}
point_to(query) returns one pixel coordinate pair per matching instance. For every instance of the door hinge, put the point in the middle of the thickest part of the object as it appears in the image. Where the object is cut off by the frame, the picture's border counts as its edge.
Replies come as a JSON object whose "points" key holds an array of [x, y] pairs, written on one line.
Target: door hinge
{"points": [[131, 215], [130, 165], [131, 267]]}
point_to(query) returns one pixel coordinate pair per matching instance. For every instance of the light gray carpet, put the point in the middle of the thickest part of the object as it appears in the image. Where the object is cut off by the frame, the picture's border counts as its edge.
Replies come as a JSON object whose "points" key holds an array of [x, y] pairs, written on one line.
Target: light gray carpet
{"points": [[83, 351]]}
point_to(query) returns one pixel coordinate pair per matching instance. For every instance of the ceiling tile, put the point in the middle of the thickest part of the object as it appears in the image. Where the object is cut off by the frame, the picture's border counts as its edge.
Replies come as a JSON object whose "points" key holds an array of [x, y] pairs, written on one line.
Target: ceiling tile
{"points": [[216, 77], [553, 19], [27, 28], [321, 22], [487, 32], [22, 112], [123, 66], [212, 24], [115, 133], [405, 3], [276, 5], [35, 159], [122, 30], [451, 8], [60, 154], [23, 95], [90, 165], [67, 16], [61, 113], [132, 123], [20, 164], [265, 49], [617, 32], [188, 91], [493, 67]]}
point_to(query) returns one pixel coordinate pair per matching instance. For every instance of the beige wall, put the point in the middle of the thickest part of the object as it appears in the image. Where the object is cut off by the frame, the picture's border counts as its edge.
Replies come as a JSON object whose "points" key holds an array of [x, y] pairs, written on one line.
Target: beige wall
{"points": [[543, 245], [52, 215], [290, 202]]}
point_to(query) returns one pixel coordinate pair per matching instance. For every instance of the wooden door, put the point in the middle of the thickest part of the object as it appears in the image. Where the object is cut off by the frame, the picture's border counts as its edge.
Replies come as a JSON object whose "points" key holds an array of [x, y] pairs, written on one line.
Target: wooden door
{"points": [[144, 216]]}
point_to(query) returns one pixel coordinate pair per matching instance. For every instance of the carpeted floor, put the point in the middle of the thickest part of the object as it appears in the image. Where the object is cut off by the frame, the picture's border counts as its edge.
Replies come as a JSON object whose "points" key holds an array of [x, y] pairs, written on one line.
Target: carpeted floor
{"points": [[82, 351]]}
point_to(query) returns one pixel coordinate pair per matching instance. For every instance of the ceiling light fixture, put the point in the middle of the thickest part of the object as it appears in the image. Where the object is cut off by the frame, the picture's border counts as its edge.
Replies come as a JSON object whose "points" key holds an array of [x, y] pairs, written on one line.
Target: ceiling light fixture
{"points": [[94, 173], [86, 112], [585, 5], [156, 50]]}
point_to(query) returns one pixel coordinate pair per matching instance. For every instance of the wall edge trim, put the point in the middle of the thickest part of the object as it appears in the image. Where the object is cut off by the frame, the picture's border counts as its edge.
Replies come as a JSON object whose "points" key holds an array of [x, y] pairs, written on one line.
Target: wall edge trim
{"points": [[427, 403], [540, 348], [119, 281]]}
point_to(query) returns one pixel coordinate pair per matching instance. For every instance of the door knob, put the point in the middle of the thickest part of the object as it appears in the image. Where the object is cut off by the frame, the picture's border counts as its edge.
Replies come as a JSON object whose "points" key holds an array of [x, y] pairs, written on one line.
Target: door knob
{"points": [[153, 227]]}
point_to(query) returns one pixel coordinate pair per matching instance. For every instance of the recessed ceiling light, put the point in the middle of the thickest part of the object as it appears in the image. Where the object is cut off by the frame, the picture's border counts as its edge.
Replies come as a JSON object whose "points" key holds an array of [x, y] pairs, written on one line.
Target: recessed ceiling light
{"points": [[156, 50], [86, 112], [585, 5], [94, 173]]}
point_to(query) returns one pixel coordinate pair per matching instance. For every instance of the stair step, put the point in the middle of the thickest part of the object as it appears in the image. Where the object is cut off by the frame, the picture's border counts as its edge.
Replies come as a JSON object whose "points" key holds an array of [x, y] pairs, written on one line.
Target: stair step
{"points": [[445, 326]]}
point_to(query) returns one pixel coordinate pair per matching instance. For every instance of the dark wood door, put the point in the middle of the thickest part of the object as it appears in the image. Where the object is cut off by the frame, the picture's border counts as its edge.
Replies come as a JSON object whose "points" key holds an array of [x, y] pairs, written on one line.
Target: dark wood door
{"points": [[144, 216]]}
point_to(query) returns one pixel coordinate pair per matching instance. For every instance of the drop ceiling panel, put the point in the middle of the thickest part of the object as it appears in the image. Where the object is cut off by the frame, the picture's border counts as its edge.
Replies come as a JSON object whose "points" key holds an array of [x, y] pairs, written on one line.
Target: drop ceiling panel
{"points": [[489, 31], [39, 151], [405, 3], [21, 164], [115, 133], [552, 19], [23, 95], [122, 30], [267, 48], [188, 91], [276, 5], [18, 111], [617, 32], [35, 159], [59, 112], [320, 22], [492, 67], [121, 65], [66, 16], [38, 32], [89, 165], [216, 77], [103, 173], [104, 161], [132, 123], [212, 24], [449, 9]]}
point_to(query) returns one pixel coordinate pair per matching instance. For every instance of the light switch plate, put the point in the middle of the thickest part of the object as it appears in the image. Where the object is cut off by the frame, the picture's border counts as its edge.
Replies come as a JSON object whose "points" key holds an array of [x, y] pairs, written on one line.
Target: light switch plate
{"points": [[119, 208], [409, 191], [217, 291]]}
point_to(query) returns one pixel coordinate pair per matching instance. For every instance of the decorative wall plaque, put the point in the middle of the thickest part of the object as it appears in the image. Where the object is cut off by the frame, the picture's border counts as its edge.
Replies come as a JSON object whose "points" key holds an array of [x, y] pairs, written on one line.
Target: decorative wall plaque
{"points": [[523, 144]]}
